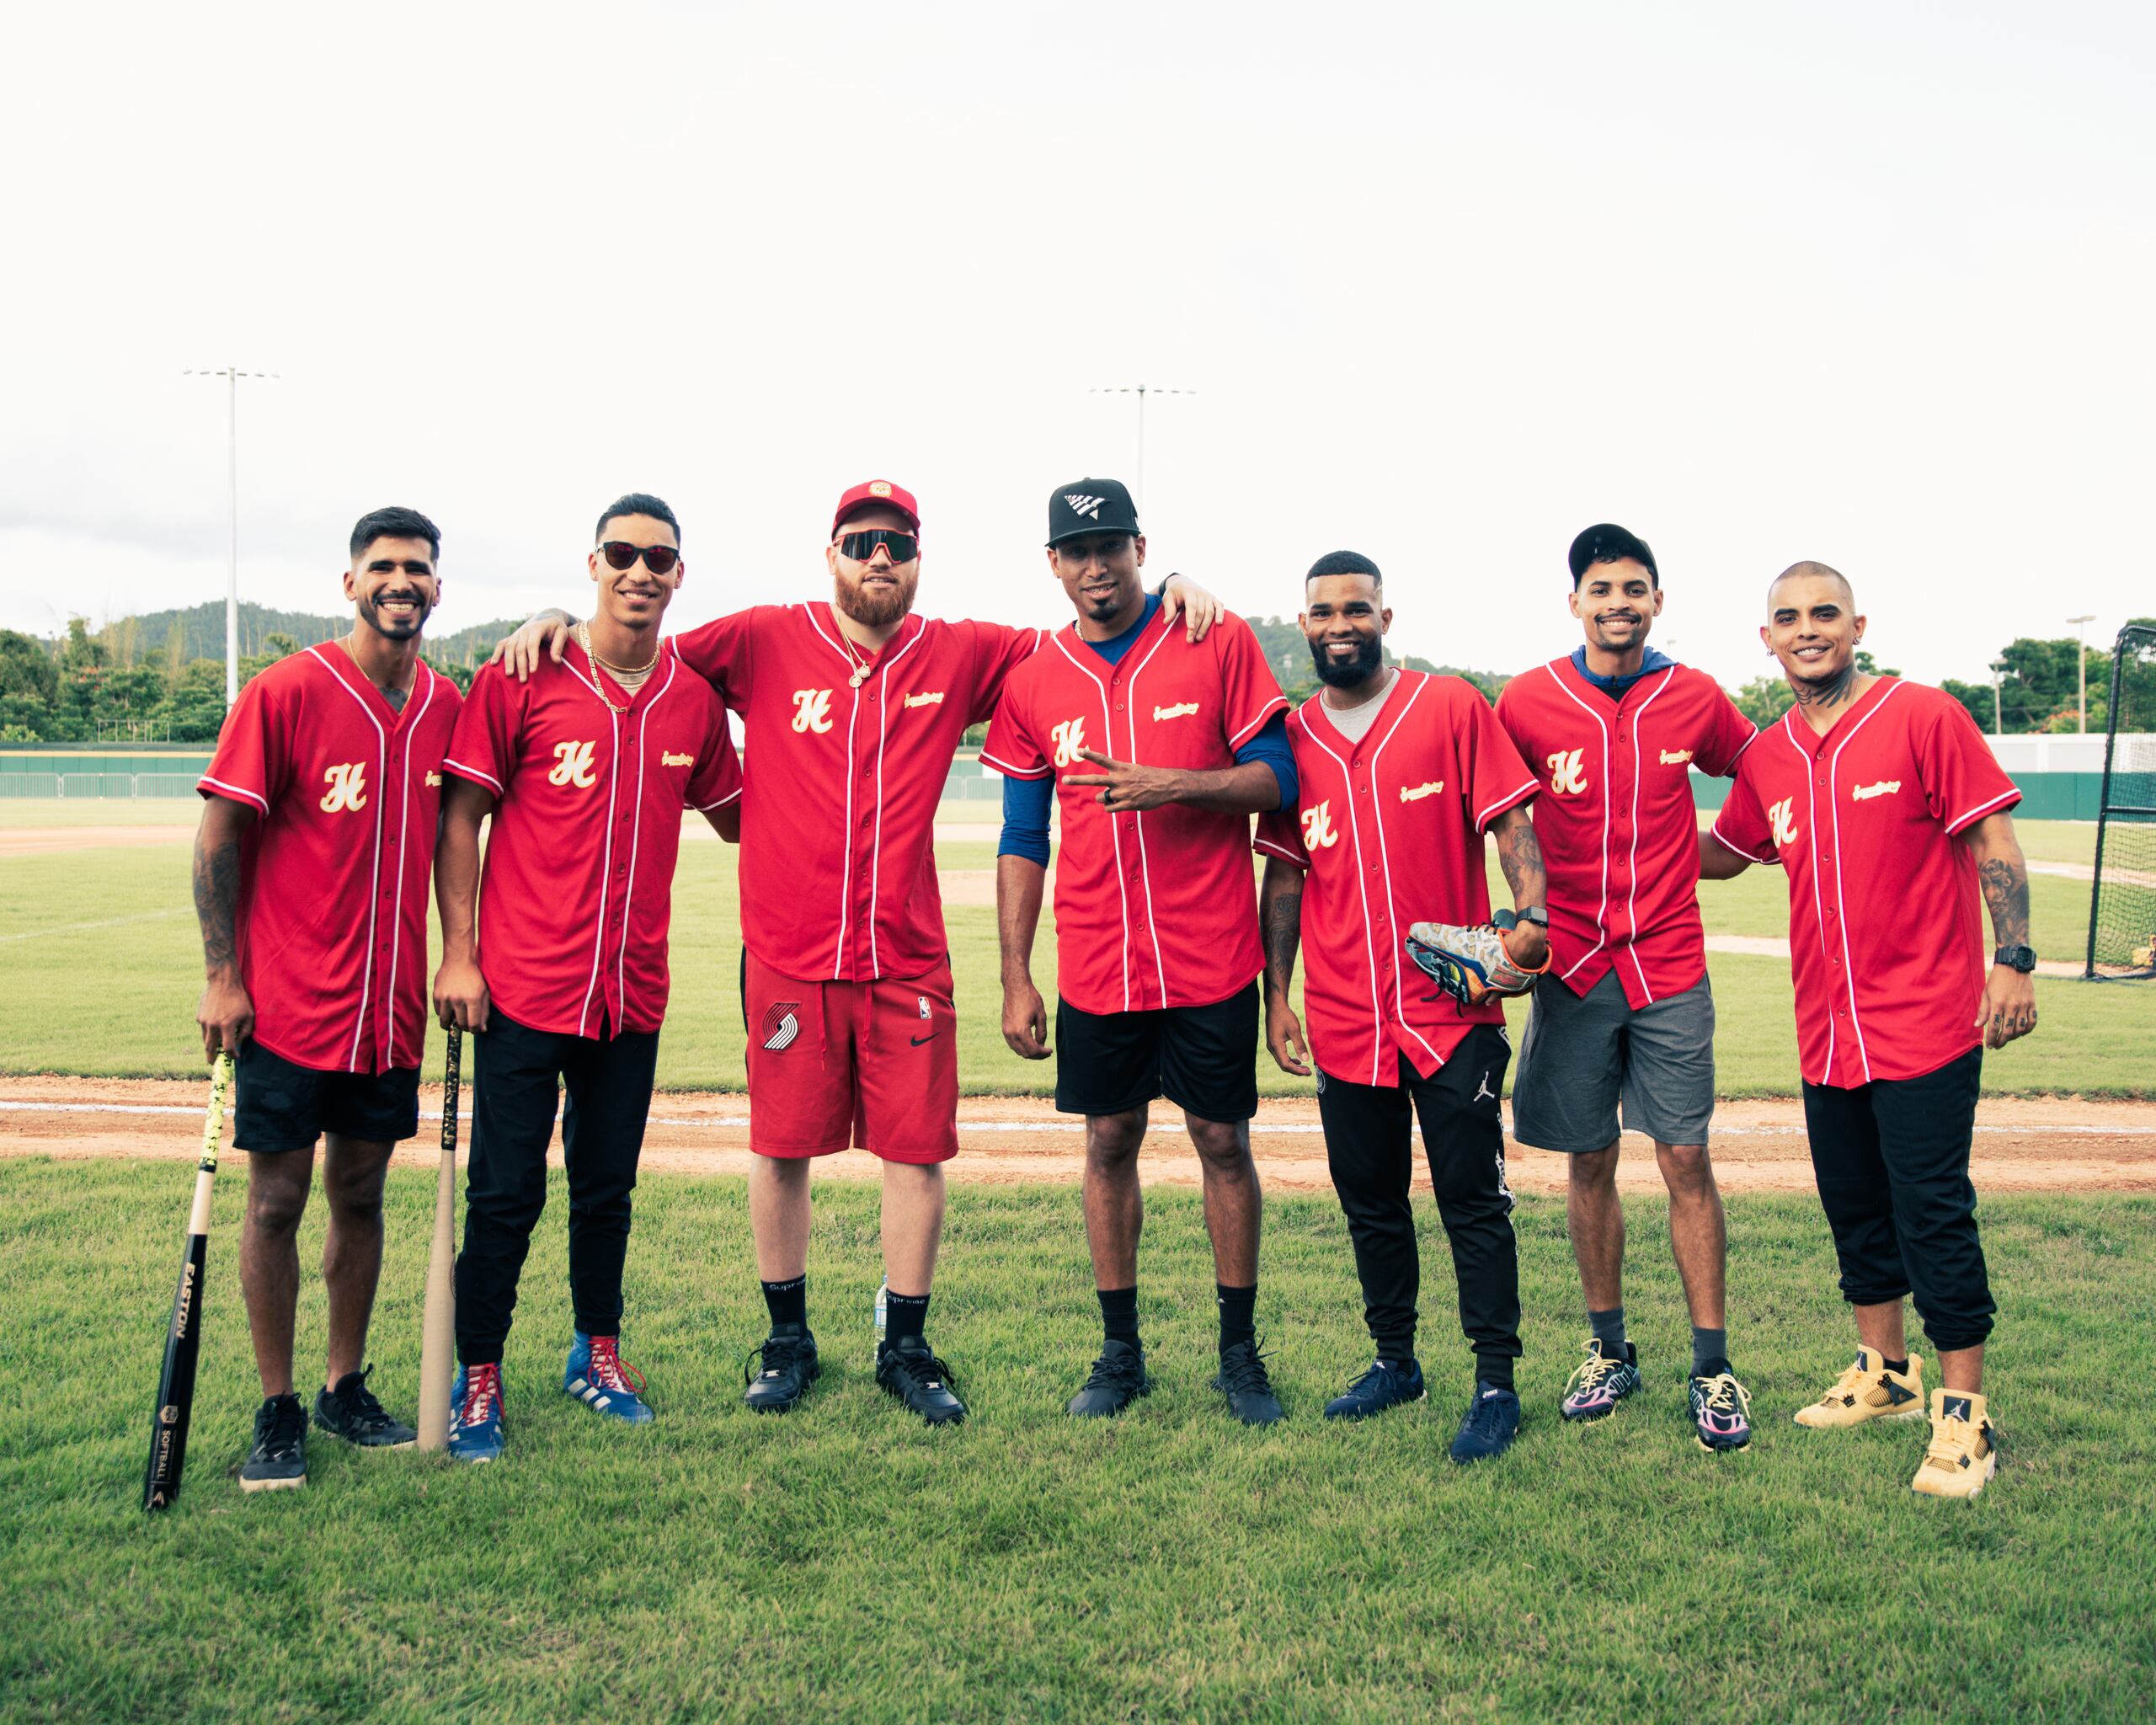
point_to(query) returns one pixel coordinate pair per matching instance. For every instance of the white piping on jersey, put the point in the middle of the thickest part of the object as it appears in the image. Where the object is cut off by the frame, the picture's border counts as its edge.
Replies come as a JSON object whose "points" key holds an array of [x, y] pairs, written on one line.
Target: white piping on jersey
{"points": [[636, 844], [1632, 893], [1115, 833], [373, 890], [1602, 912], [1008, 771], [464, 767], [876, 843], [1385, 863], [254, 797], [845, 869], [1138, 820], [409, 725], [1849, 971], [1954, 826], [1812, 827], [606, 856], [1369, 953]]}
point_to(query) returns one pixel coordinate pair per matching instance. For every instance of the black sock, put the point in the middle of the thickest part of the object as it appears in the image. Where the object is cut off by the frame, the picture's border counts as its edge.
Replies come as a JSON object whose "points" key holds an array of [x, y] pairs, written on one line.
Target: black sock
{"points": [[787, 1301], [904, 1315], [1493, 1371], [1120, 1314], [1238, 1314], [1900, 1368]]}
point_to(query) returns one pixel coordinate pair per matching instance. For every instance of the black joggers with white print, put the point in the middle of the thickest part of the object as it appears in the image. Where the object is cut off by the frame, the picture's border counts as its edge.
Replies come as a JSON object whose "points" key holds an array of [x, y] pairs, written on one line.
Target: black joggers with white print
{"points": [[1369, 1143]]}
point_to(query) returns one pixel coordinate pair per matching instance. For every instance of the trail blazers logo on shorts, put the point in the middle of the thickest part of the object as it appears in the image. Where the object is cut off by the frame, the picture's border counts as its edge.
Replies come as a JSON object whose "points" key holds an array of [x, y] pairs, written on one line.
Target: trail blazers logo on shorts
{"points": [[573, 765], [1317, 827], [1415, 794], [348, 787], [811, 710], [1070, 739], [1183, 711], [1782, 821], [782, 1024], [1566, 776]]}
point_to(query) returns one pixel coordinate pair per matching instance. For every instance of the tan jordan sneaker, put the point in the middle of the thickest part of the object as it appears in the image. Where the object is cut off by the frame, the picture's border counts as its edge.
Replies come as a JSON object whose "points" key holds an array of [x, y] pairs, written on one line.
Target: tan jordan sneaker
{"points": [[1868, 1391], [1964, 1452]]}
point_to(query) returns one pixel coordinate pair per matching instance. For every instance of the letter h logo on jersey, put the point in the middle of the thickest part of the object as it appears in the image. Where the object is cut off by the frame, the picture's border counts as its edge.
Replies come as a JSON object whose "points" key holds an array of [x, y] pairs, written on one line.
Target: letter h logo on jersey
{"points": [[1781, 816], [1318, 832], [811, 710], [573, 765], [1567, 778], [1069, 740], [348, 787]]}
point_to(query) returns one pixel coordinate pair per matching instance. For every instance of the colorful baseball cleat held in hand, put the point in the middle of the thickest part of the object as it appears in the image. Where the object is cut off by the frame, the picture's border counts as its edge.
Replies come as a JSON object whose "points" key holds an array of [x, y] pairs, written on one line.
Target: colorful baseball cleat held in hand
{"points": [[597, 1375]]}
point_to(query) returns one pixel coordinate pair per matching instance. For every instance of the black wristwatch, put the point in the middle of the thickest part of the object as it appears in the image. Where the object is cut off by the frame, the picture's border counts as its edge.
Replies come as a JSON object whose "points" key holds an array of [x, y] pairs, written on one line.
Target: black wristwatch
{"points": [[2021, 959], [1513, 919]]}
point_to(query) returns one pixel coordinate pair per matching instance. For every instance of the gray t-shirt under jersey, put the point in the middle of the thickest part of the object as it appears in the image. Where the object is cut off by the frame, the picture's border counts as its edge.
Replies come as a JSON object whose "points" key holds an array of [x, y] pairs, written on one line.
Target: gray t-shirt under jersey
{"points": [[1354, 722]]}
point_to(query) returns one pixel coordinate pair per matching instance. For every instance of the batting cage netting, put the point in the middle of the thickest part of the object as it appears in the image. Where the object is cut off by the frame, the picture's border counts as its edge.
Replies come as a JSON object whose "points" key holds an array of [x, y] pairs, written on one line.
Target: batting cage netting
{"points": [[2123, 910]]}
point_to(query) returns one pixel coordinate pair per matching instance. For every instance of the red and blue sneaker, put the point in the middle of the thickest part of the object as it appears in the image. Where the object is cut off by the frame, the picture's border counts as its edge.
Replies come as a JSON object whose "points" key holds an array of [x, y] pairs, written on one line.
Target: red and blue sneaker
{"points": [[475, 1414], [1721, 1411], [597, 1375]]}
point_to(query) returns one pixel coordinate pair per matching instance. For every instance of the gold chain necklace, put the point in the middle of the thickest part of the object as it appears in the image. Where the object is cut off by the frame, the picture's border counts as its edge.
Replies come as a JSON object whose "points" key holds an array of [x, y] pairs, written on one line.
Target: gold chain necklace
{"points": [[386, 690], [631, 677]]}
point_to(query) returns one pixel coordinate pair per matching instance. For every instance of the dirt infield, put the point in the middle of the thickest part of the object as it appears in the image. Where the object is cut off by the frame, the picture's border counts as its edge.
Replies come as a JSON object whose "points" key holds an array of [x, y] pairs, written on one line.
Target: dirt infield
{"points": [[2023, 1143]]}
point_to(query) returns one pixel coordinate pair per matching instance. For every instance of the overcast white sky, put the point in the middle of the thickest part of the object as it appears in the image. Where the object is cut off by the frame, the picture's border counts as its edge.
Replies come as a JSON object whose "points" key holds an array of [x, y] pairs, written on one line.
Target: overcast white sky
{"points": [[1865, 284]]}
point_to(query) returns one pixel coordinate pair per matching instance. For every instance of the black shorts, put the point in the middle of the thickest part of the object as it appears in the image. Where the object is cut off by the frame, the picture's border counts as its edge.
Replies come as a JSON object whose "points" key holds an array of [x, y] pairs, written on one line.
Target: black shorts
{"points": [[279, 1106], [1203, 1059]]}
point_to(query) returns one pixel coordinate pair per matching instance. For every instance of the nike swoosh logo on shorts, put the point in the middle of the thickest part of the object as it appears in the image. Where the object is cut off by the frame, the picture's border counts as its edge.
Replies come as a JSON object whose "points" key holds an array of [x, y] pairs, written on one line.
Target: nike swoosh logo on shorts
{"points": [[930, 1037]]}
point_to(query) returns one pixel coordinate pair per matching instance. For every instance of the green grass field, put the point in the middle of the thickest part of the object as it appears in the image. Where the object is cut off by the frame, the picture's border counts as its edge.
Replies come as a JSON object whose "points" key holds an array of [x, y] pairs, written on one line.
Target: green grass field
{"points": [[103, 967], [846, 1563]]}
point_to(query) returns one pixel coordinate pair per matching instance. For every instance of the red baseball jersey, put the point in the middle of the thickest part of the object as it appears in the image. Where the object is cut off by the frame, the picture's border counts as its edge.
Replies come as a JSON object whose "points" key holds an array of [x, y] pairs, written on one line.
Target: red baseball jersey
{"points": [[1885, 944], [332, 924], [590, 783], [1156, 909], [1390, 831], [1619, 829], [848, 751]]}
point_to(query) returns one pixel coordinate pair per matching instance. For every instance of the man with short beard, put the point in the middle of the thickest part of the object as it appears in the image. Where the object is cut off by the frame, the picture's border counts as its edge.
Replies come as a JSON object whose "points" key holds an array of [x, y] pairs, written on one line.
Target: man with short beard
{"points": [[1889, 814], [1401, 774], [1613, 731], [854, 709], [310, 885]]}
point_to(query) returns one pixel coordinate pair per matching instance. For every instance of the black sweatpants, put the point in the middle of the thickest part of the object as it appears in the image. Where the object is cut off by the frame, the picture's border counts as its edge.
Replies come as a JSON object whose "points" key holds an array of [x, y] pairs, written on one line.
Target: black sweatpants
{"points": [[1369, 1142], [1892, 1158], [517, 1074]]}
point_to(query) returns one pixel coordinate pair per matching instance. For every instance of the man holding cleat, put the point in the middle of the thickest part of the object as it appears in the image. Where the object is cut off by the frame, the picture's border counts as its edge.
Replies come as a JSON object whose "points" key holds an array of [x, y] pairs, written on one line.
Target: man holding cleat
{"points": [[1401, 774], [1613, 732], [310, 885], [586, 769], [1888, 813], [1156, 930]]}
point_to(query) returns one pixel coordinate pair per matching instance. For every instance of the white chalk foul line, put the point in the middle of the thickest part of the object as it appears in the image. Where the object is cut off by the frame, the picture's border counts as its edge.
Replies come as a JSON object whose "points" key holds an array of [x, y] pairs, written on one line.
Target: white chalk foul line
{"points": [[108, 923], [1258, 1128]]}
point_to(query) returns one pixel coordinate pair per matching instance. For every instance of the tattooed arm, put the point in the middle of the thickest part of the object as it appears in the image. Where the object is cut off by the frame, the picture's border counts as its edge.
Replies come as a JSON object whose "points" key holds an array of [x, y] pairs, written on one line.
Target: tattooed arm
{"points": [[2009, 1002], [1280, 914], [224, 1014], [1519, 854]]}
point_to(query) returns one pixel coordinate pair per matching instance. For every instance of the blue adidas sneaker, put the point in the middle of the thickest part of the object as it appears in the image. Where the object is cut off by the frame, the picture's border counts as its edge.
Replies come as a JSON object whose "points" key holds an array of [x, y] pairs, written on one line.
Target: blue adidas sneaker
{"points": [[1491, 1423], [475, 1414], [1387, 1384], [597, 1376]]}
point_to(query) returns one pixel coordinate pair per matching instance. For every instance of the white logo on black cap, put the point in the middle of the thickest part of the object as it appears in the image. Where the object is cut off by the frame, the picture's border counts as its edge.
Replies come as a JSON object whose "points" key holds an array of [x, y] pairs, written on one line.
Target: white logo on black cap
{"points": [[1090, 507]]}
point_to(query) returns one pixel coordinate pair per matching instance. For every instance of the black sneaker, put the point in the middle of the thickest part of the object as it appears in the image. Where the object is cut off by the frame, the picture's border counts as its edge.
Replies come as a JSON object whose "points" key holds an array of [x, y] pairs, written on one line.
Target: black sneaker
{"points": [[1117, 1379], [1243, 1380], [789, 1365], [1386, 1384], [1491, 1424], [351, 1412], [278, 1458], [907, 1370]]}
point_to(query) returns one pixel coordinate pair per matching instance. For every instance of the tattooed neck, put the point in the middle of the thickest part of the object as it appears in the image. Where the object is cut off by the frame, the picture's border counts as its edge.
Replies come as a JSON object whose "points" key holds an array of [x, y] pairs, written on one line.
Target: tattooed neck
{"points": [[1830, 691]]}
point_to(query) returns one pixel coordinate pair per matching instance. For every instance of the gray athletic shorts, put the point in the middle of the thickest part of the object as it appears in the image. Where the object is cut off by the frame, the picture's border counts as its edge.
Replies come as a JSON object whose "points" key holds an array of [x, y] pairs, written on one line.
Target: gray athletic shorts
{"points": [[1582, 1056]]}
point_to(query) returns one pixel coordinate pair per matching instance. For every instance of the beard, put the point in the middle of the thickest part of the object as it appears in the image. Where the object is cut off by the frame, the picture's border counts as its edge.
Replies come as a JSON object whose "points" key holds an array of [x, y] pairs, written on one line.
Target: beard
{"points": [[875, 607], [1370, 657], [396, 628]]}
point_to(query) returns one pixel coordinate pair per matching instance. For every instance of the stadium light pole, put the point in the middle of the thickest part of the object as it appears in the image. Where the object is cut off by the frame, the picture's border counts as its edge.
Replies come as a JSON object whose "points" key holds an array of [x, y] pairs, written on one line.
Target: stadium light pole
{"points": [[232, 375], [2081, 662], [1997, 719], [1141, 391]]}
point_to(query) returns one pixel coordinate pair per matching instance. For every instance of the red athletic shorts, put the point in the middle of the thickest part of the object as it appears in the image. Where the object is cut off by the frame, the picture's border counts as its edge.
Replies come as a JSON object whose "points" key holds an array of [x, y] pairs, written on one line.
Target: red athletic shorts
{"points": [[873, 1065]]}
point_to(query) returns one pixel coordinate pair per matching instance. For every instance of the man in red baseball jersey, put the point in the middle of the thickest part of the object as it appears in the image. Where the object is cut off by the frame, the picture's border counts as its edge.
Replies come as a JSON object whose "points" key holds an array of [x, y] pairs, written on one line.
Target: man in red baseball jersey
{"points": [[853, 709], [586, 768], [1158, 750], [1402, 775], [310, 885], [1889, 815], [1614, 732]]}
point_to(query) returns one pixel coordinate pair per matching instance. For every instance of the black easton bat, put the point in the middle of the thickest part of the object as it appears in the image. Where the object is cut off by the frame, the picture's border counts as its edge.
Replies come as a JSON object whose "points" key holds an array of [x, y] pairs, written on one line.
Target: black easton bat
{"points": [[183, 1336]]}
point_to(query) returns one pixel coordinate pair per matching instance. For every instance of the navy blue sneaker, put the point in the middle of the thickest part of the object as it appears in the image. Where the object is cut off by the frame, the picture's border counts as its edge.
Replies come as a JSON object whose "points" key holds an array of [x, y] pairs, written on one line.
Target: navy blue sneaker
{"points": [[1491, 1423], [475, 1414], [1386, 1384], [597, 1376]]}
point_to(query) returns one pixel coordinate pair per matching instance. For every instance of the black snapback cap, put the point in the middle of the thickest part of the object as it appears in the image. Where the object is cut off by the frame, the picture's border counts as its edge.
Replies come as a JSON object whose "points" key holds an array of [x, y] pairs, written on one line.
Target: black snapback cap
{"points": [[1090, 506], [1606, 543]]}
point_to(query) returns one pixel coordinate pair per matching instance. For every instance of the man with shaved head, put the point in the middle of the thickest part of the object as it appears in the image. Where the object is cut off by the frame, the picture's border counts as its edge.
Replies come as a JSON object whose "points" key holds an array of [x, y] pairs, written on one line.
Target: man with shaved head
{"points": [[1886, 809]]}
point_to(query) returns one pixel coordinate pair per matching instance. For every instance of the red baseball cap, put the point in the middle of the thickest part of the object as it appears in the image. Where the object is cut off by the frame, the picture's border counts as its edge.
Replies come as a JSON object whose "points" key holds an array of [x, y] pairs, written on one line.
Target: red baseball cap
{"points": [[882, 493]]}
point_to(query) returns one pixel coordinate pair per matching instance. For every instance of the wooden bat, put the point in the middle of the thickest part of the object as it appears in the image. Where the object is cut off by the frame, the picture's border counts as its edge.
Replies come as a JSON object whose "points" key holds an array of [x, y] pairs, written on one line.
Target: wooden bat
{"points": [[438, 1335], [175, 1406]]}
